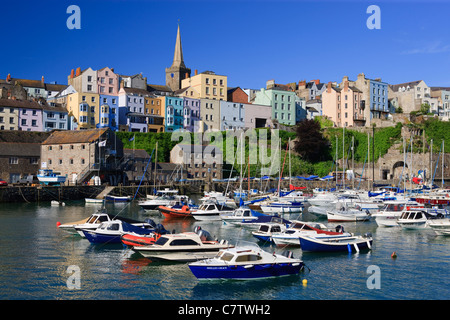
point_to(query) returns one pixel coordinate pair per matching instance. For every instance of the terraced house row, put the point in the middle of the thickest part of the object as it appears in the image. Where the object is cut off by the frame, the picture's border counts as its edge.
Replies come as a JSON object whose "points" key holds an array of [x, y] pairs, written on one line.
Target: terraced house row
{"points": [[203, 101]]}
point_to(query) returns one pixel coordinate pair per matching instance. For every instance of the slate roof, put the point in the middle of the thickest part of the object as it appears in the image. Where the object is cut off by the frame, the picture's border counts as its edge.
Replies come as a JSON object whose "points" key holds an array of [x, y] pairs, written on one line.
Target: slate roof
{"points": [[74, 136], [411, 84]]}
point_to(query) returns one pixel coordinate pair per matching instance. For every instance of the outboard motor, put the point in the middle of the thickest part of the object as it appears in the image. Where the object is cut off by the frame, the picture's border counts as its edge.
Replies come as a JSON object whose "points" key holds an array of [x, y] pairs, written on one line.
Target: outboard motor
{"points": [[340, 229], [287, 254], [197, 229], [159, 228], [150, 222]]}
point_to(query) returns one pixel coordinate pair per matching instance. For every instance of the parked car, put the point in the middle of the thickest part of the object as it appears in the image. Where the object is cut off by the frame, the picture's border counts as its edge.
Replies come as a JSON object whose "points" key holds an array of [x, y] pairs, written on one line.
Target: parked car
{"points": [[28, 180], [3, 183]]}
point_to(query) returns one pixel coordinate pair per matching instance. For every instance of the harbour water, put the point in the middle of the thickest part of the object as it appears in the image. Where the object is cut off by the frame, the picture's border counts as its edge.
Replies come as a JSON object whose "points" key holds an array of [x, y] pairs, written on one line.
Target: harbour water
{"points": [[36, 259]]}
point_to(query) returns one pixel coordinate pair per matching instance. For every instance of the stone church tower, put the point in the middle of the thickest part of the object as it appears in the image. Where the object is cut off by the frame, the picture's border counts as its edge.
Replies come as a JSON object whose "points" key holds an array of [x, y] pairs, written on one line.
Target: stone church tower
{"points": [[178, 70]]}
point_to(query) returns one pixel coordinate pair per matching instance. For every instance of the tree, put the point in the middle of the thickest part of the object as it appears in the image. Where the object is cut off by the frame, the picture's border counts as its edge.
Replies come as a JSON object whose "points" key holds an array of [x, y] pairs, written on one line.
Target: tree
{"points": [[310, 143]]}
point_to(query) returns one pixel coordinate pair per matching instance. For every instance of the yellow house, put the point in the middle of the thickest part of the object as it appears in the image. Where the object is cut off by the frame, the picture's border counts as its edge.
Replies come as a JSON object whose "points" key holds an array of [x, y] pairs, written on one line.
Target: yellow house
{"points": [[154, 108], [207, 85], [85, 108]]}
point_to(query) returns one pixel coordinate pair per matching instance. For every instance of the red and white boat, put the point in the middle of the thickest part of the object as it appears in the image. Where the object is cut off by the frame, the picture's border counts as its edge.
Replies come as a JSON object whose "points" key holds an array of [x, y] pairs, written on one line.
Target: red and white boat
{"points": [[438, 198], [132, 240], [173, 212]]}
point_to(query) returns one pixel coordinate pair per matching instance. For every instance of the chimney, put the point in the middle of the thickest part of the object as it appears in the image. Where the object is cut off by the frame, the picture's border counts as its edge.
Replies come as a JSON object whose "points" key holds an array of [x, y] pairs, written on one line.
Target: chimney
{"points": [[122, 84], [317, 81], [42, 79], [345, 85], [8, 77], [72, 73], [329, 87], [186, 76], [78, 72], [196, 72], [112, 69]]}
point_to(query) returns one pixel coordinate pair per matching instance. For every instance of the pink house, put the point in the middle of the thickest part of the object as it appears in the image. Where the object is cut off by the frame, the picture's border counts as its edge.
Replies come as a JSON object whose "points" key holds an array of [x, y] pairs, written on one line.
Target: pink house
{"points": [[108, 82], [343, 105], [257, 116]]}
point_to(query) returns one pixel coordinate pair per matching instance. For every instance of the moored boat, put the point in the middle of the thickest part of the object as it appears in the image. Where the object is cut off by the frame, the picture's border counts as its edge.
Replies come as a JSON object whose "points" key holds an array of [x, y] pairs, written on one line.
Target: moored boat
{"points": [[246, 261], [132, 239], [112, 231], [112, 198], [291, 236], [211, 210], [440, 226], [175, 212], [348, 215], [183, 247], [48, 177], [328, 243], [268, 229]]}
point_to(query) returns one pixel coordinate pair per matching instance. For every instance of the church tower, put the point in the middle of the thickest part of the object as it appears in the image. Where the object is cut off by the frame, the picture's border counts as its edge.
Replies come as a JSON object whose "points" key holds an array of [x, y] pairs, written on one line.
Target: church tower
{"points": [[178, 70]]}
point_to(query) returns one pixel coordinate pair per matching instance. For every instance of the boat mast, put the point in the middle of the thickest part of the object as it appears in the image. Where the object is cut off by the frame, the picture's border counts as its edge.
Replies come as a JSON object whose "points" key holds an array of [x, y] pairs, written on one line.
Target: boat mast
{"points": [[343, 157]]}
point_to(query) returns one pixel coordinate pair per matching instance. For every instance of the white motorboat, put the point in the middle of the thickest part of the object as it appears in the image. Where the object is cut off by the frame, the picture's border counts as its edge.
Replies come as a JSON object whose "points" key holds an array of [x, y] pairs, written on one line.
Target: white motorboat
{"points": [[164, 198], [348, 215], [392, 210], [112, 231], [241, 214], [413, 219], [93, 200], [48, 177], [268, 229], [440, 226], [186, 246], [211, 210], [220, 198], [94, 221], [291, 235]]}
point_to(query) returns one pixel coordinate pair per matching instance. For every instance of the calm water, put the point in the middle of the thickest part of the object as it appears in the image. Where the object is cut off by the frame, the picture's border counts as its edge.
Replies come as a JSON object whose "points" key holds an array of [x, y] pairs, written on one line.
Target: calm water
{"points": [[35, 257]]}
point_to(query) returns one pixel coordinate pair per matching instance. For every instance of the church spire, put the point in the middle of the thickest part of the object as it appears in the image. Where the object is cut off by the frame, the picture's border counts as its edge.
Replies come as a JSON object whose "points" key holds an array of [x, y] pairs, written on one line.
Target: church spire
{"points": [[178, 71], [178, 54]]}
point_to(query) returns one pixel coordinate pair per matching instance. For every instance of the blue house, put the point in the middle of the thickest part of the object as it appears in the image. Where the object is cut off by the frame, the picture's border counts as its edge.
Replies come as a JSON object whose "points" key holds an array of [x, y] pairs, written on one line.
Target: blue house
{"points": [[379, 106], [109, 112], [174, 113]]}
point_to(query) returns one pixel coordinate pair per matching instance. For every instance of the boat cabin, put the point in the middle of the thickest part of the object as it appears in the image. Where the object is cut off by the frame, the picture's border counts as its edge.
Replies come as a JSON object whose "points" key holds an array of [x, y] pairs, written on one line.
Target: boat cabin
{"points": [[413, 215], [238, 256], [242, 212], [268, 228]]}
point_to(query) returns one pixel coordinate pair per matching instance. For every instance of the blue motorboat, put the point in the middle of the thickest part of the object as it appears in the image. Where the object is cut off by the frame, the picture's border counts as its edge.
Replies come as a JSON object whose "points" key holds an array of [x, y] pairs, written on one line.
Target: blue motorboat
{"points": [[111, 231], [246, 261], [327, 243]]}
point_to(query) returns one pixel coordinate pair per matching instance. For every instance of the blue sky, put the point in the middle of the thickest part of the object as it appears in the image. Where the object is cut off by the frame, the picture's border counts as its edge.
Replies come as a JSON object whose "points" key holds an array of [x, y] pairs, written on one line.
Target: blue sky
{"points": [[250, 41]]}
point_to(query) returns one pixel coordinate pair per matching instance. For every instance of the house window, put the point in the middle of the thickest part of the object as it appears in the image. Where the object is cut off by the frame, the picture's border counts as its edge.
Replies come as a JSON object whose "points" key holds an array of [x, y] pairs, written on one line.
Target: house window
{"points": [[13, 160]]}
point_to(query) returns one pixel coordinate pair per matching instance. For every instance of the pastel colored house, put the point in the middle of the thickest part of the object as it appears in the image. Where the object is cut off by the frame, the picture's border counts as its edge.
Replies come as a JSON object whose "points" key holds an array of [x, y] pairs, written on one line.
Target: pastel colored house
{"points": [[283, 103], [108, 82], [343, 105], [84, 107], [155, 110], [83, 81], [132, 115], [109, 112], [174, 109], [232, 116], [55, 117], [210, 114], [191, 114], [443, 96], [208, 85]]}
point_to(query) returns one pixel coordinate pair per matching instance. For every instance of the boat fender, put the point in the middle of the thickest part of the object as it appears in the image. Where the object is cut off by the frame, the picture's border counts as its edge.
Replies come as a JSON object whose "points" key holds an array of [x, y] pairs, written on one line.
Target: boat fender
{"points": [[197, 229], [349, 248], [58, 224]]}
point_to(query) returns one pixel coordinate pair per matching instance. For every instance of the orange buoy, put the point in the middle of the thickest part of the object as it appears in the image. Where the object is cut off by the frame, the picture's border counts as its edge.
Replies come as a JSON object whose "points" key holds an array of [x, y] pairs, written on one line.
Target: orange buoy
{"points": [[58, 224], [394, 255]]}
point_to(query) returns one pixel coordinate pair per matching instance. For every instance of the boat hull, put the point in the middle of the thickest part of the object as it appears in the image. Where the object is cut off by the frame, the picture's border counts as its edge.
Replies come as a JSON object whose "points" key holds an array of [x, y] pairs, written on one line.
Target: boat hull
{"points": [[95, 237], [186, 255], [117, 199], [131, 240], [245, 272], [311, 245], [175, 213]]}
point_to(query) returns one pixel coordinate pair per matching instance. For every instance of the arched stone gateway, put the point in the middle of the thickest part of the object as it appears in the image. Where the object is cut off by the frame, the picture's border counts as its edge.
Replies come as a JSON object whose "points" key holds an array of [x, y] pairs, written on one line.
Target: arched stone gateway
{"points": [[397, 169]]}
